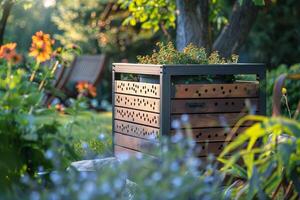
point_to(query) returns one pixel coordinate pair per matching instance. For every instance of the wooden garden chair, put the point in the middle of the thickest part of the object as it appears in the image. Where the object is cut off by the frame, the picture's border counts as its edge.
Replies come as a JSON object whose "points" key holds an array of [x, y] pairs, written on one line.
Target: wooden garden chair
{"points": [[88, 68], [277, 93]]}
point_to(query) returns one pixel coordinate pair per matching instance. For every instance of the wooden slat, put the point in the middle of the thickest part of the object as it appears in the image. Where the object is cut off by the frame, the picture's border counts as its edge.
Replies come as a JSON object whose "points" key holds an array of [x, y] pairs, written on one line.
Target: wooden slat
{"points": [[204, 149], [211, 134], [137, 88], [135, 68], [212, 120], [236, 90], [137, 102], [211, 105], [136, 116], [120, 151], [136, 130], [137, 144]]}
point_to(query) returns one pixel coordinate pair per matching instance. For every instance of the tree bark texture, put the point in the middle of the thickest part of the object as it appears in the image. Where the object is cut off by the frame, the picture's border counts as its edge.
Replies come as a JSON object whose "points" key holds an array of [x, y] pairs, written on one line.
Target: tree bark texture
{"points": [[192, 23], [236, 32], [5, 14]]}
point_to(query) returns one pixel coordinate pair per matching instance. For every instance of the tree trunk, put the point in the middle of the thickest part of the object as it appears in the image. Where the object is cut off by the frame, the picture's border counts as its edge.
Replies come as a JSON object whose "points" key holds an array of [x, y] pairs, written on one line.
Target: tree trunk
{"points": [[235, 33], [192, 23], [5, 14]]}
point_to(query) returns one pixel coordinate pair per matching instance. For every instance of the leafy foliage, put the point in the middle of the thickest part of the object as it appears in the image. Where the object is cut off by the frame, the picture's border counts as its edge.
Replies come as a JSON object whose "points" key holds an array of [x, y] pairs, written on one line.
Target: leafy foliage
{"points": [[167, 54], [176, 174], [96, 26], [161, 14], [151, 14], [274, 39], [24, 143], [264, 157]]}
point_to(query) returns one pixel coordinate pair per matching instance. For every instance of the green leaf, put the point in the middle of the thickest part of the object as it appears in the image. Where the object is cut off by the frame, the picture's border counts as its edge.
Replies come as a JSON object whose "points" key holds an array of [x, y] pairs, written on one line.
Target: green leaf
{"points": [[259, 2]]}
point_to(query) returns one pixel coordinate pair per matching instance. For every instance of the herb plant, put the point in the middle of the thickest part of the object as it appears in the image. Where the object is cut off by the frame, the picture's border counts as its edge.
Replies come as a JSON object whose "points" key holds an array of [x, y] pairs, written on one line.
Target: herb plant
{"points": [[167, 54]]}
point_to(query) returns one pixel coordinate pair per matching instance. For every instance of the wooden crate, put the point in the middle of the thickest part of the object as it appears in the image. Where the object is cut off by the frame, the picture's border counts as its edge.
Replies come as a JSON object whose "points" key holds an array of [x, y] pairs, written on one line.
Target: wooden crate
{"points": [[142, 112]]}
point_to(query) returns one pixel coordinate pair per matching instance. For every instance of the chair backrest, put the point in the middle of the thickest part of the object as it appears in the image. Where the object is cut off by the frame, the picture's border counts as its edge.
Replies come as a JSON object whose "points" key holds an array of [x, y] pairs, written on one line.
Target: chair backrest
{"points": [[87, 68], [277, 92]]}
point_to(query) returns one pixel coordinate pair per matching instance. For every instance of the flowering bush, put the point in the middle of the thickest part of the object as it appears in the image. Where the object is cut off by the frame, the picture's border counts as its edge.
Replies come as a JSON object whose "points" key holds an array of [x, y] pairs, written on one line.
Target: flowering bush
{"points": [[177, 174], [24, 142]]}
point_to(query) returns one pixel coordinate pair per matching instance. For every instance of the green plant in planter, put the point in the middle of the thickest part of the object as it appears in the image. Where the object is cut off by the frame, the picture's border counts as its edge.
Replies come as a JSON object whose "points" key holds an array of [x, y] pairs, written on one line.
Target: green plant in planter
{"points": [[24, 143], [167, 54]]}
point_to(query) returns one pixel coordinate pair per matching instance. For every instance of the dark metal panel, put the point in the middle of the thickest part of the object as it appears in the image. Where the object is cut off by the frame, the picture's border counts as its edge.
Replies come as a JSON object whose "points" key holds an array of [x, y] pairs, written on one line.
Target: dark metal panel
{"points": [[137, 68], [165, 105], [213, 69], [261, 76], [113, 113]]}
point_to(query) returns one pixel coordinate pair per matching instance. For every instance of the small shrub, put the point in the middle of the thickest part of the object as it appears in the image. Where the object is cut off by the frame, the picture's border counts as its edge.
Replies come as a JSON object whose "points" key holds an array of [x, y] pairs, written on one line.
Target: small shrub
{"points": [[167, 54]]}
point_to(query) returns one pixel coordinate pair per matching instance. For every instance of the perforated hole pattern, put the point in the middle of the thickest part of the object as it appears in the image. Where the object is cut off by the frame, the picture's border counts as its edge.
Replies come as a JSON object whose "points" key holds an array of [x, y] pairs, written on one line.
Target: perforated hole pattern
{"points": [[136, 88], [136, 130], [135, 116], [136, 102], [217, 90]]}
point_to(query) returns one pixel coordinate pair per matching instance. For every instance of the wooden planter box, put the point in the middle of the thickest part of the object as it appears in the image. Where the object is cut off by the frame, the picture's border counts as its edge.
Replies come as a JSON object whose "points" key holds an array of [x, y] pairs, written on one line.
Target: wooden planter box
{"points": [[144, 111]]}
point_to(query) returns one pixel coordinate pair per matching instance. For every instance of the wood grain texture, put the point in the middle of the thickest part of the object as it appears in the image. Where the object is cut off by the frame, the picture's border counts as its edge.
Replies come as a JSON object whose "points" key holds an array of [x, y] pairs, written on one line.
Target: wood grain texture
{"points": [[136, 130], [134, 68], [180, 106], [211, 134], [137, 144], [137, 102], [121, 152], [232, 90], [137, 88], [136, 116], [211, 120]]}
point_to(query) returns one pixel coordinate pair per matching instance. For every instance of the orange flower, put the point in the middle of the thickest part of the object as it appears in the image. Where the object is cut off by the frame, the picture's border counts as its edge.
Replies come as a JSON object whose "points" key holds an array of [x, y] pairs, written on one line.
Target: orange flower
{"points": [[81, 86], [41, 47], [17, 58], [87, 88], [92, 90], [60, 108], [40, 38], [8, 52]]}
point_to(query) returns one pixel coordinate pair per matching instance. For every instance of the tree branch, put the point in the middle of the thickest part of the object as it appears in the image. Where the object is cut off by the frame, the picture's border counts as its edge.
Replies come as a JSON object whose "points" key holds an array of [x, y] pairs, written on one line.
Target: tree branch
{"points": [[235, 33]]}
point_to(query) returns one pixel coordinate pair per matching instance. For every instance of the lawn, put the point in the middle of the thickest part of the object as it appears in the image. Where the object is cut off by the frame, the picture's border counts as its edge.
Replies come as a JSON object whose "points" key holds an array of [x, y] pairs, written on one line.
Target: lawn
{"points": [[90, 133]]}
